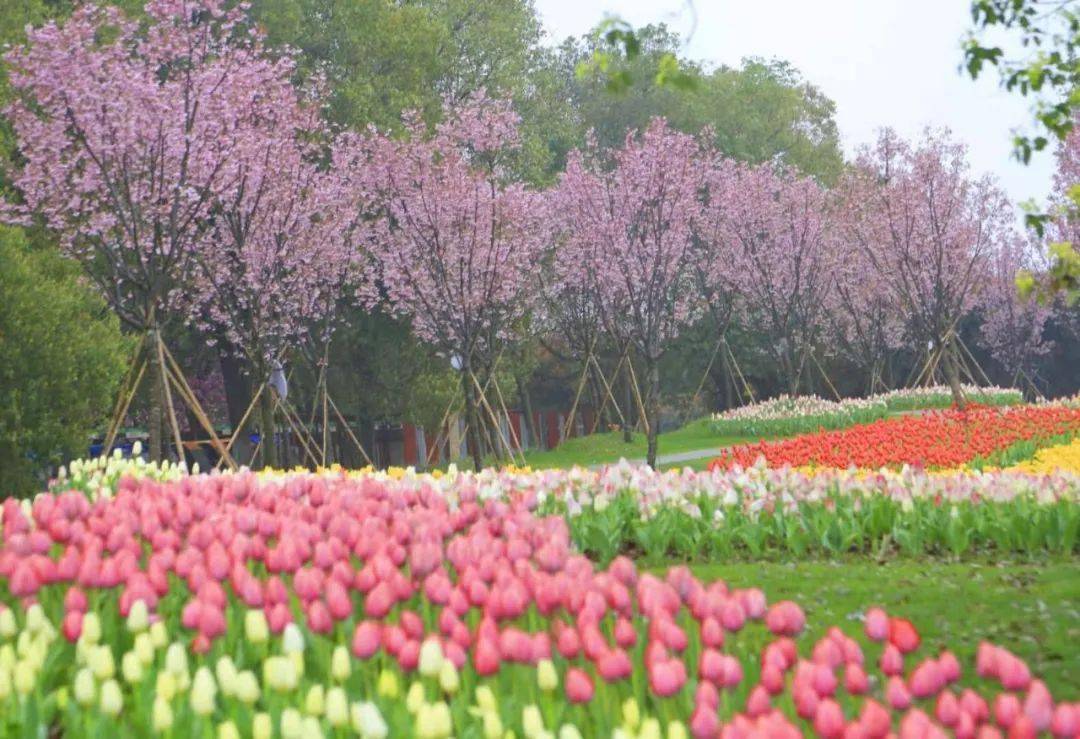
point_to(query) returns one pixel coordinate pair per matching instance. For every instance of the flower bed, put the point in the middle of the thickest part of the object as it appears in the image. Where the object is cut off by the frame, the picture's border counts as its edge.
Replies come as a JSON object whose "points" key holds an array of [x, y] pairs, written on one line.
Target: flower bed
{"points": [[787, 416], [939, 439], [310, 605]]}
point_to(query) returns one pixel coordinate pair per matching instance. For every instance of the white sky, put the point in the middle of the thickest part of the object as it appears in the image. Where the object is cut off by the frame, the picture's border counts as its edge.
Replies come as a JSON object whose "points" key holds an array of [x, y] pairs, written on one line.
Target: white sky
{"points": [[884, 62]]}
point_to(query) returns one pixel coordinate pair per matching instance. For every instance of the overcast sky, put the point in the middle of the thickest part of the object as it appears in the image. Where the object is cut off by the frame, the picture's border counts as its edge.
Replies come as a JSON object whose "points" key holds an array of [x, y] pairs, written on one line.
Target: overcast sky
{"points": [[884, 62]]}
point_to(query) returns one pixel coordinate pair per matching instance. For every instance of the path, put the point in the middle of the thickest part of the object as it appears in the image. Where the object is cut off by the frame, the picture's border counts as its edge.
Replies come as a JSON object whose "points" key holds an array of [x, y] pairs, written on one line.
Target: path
{"points": [[667, 460]]}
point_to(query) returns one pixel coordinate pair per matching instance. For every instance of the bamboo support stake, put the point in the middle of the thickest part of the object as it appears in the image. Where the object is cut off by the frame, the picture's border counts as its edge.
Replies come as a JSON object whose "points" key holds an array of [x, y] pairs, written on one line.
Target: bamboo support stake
{"points": [[348, 430], [123, 404], [509, 422], [825, 376], [608, 393], [577, 396], [493, 417], [188, 396], [734, 363], [442, 423], [643, 416], [243, 419], [299, 435], [168, 397], [701, 385]]}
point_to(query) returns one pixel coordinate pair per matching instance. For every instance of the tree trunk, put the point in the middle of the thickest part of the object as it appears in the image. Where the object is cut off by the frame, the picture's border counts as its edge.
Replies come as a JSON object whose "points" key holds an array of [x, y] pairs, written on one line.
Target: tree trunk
{"points": [[268, 454], [652, 408], [952, 374], [156, 381], [527, 408], [472, 420], [726, 379], [628, 403]]}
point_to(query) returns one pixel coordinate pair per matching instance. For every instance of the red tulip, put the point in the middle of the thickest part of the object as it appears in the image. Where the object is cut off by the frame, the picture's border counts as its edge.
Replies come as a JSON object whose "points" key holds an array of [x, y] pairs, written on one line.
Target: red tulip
{"points": [[902, 635]]}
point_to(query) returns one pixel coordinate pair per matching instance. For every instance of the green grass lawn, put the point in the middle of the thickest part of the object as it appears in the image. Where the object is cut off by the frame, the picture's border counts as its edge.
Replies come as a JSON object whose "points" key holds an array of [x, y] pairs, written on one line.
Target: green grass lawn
{"points": [[1032, 609], [610, 447]]}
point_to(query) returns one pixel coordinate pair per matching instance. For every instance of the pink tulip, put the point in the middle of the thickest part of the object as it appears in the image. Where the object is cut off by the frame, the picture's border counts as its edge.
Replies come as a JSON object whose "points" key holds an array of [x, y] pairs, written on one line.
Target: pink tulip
{"points": [[892, 662], [614, 665], [950, 666], [772, 679], [856, 681], [707, 694], [1065, 722], [785, 618], [1006, 709], [875, 719], [712, 633], [579, 686], [829, 719], [1039, 706], [625, 633], [947, 709], [367, 637], [877, 625], [704, 723], [486, 658], [759, 703], [75, 600], [667, 678], [926, 680], [897, 694], [72, 626]]}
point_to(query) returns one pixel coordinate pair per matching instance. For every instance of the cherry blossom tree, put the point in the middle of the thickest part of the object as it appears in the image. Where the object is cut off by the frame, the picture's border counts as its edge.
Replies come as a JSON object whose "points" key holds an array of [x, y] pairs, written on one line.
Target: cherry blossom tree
{"points": [[782, 248], [127, 133], [1012, 327], [456, 242], [930, 231], [867, 322], [625, 222], [277, 259]]}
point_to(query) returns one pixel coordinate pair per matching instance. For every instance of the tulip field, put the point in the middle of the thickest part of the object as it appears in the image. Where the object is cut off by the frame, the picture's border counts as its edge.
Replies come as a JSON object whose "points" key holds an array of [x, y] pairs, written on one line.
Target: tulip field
{"points": [[141, 600]]}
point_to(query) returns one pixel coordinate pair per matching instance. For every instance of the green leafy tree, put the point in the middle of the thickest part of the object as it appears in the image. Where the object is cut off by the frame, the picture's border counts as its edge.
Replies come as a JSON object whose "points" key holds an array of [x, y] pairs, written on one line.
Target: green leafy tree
{"points": [[1047, 69], [61, 359]]}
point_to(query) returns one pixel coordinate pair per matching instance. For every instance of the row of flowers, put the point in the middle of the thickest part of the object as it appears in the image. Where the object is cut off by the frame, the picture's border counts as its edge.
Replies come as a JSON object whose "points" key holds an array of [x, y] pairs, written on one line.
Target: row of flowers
{"points": [[936, 439], [787, 416], [302, 605]]}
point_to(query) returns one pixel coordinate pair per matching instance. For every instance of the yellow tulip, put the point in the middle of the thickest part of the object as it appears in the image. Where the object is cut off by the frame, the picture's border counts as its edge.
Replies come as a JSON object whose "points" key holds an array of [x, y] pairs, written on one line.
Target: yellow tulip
{"points": [[161, 715], [203, 691], [315, 703], [449, 680], [292, 724], [261, 726], [337, 707], [340, 667], [546, 676], [138, 619], [532, 723], [228, 730], [431, 658], [112, 702], [256, 630], [131, 668], [85, 687], [246, 687]]}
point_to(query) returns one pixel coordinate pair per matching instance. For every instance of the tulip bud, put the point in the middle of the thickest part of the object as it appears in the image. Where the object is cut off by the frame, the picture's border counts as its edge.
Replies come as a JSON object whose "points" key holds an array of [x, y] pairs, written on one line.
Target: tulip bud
{"points": [[228, 730], [131, 668], [8, 627], [84, 687], [246, 687], [280, 673], [35, 619], [493, 727], [449, 680], [367, 720], [23, 677], [203, 691], [91, 628], [143, 649], [414, 699], [546, 676], [256, 630], [387, 687], [431, 658], [650, 729], [161, 715], [112, 702], [532, 723], [101, 663], [138, 619], [165, 685], [340, 668], [569, 731], [676, 730], [292, 640], [485, 699], [315, 703], [337, 707], [631, 714], [158, 635], [261, 726], [175, 659], [292, 724]]}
